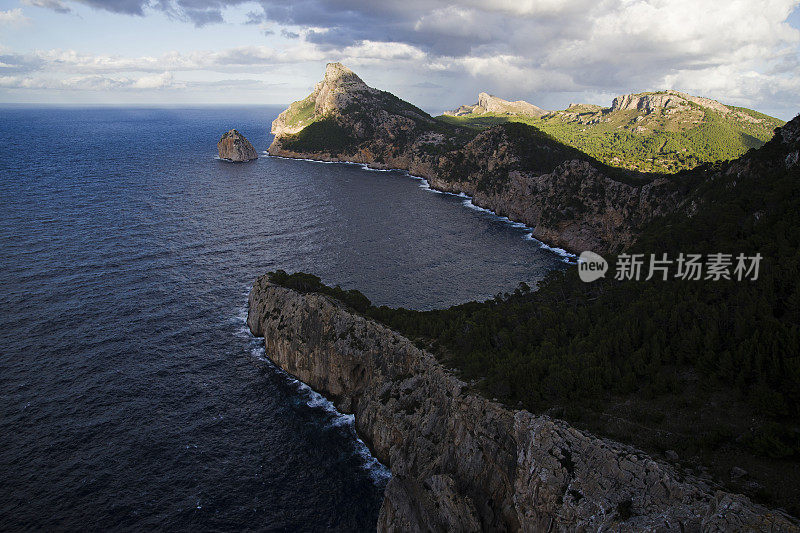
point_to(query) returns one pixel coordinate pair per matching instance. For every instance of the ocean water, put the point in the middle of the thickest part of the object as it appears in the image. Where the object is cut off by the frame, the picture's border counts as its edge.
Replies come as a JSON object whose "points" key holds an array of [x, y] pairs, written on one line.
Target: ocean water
{"points": [[133, 396]]}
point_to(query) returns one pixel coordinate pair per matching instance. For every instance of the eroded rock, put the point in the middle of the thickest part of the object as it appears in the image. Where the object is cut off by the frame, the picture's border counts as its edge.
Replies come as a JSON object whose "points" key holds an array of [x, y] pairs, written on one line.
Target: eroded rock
{"points": [[233, 146]]}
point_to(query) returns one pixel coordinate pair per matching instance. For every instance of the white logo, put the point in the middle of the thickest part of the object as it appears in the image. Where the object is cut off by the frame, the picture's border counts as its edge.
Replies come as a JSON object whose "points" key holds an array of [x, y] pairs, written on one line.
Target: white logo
{"points": [[591, 266]]}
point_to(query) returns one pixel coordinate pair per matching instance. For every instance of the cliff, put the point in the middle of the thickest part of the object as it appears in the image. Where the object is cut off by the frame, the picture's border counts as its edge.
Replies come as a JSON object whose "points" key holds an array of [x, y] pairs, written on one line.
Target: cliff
{"points": [[233, 146], [570, 199], [463, 463]]}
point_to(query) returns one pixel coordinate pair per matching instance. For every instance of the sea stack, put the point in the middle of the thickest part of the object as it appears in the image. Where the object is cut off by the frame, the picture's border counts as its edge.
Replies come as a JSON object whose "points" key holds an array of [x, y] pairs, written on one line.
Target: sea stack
{"points": [[233, 146]]}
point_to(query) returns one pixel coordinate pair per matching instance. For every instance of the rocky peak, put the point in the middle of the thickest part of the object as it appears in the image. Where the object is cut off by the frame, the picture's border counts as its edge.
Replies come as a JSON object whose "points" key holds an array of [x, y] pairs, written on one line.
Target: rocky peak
{"points": [[338, 75], [648, 102], [790, 132], [492, 104], [233, 146], [339, 87]]}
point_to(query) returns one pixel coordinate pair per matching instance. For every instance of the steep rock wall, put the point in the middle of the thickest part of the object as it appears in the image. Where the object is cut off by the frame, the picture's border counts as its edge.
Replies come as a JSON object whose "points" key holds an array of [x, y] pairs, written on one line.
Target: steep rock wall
{"points": [[463, 463]]}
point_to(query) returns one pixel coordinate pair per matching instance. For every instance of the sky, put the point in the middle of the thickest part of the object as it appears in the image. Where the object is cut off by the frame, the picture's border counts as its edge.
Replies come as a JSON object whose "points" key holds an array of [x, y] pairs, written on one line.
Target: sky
{"points": [[436, 54]]}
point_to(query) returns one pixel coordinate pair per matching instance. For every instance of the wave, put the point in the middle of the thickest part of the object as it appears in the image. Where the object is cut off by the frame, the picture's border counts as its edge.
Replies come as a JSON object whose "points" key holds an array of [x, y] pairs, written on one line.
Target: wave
{"points": [[377, 471], [566, 256]]}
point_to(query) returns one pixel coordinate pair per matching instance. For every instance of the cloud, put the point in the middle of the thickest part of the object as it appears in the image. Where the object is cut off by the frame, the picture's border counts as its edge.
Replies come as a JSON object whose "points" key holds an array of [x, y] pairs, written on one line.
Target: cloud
{"points": [[739, 51], [56, 5], [368, 51], [238, 59], [128, 7], [92, 83], [13, 17]]}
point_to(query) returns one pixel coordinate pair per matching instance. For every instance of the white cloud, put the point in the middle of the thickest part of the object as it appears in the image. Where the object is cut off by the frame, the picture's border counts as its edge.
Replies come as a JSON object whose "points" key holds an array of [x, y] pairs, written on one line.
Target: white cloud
{"points": [[92, 83], [369, 51], [13, 17], [243, 58], [739, 51]]}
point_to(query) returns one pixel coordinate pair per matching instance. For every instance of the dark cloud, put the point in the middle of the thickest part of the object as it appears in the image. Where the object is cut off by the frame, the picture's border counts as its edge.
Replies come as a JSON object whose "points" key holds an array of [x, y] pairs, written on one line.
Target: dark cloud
{"points": [[128, 7], [55, 5], [290, 34], [253, 17], [202, 17]]}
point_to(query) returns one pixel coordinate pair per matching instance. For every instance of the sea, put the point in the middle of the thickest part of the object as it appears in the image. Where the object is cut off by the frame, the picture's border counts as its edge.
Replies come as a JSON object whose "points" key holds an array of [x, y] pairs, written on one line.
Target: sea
{"points": [[132, 395]]}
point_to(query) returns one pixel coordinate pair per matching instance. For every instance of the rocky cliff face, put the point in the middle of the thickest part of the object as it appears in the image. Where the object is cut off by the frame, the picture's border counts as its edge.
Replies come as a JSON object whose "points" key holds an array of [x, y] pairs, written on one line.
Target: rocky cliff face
{"points": [[570, 199], [492, 104], [233, 146], [463, 463], [673, 101]]}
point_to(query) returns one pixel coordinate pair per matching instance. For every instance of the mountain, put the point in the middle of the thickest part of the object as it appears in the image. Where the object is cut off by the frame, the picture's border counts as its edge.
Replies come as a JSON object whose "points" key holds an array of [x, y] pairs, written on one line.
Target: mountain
{"points": [[492, 104], [705, 373], [702, 374], [665, 131], [569, 198]]}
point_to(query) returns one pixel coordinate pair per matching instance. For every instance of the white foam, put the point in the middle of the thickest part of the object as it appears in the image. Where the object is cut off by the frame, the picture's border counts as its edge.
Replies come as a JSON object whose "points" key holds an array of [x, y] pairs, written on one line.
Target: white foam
{"points": [[314, 400], [568, 256], [378, 472], [425, 185]]}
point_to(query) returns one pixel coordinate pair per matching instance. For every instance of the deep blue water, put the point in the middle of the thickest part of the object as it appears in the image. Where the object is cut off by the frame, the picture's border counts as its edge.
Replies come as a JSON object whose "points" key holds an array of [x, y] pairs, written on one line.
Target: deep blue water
{"points": [[132, 396]]}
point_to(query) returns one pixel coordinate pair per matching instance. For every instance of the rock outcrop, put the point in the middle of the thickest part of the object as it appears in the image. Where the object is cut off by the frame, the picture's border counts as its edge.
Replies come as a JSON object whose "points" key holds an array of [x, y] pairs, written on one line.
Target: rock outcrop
{"points": [[463, 463], [233, 146], [492, 104], [648, 102]]}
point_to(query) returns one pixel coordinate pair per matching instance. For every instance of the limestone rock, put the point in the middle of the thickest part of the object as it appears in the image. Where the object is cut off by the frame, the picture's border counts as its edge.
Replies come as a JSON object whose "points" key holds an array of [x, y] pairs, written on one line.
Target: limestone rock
{"points": [[492, 104], [339, 87], [463, 463], [650, 101], [233, 146]]}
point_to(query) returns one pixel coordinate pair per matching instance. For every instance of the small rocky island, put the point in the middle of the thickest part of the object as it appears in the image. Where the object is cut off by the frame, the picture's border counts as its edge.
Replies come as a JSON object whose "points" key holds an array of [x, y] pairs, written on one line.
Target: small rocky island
{"points": [[233, 146]]}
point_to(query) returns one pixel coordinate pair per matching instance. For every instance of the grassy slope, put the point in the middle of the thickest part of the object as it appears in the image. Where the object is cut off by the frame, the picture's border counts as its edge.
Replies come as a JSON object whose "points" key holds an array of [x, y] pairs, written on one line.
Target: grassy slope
{"points": [[668, 144], [300, 113]]}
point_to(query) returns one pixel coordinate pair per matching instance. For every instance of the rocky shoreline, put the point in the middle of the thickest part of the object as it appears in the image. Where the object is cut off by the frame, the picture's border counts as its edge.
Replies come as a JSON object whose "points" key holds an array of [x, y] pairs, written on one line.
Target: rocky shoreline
{"points": [[461, 462], [571, 201], [565, 254]]}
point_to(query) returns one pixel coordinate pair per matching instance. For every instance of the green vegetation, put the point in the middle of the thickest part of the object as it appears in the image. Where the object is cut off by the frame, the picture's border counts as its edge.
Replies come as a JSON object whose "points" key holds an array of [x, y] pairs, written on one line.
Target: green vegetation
{"points": [[708, 369], [658, 142], [305, 283], [300, 113], [322, 135]]}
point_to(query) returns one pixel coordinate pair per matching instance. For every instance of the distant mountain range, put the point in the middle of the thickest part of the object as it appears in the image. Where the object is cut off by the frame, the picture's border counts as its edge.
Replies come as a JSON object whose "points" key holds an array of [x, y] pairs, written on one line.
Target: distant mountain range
{"points": [[663, 131]]}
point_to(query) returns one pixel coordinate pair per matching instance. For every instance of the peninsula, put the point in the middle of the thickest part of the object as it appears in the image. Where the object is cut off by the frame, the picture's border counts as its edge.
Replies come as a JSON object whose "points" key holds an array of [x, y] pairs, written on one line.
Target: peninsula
{"points": [[623, 405]]}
